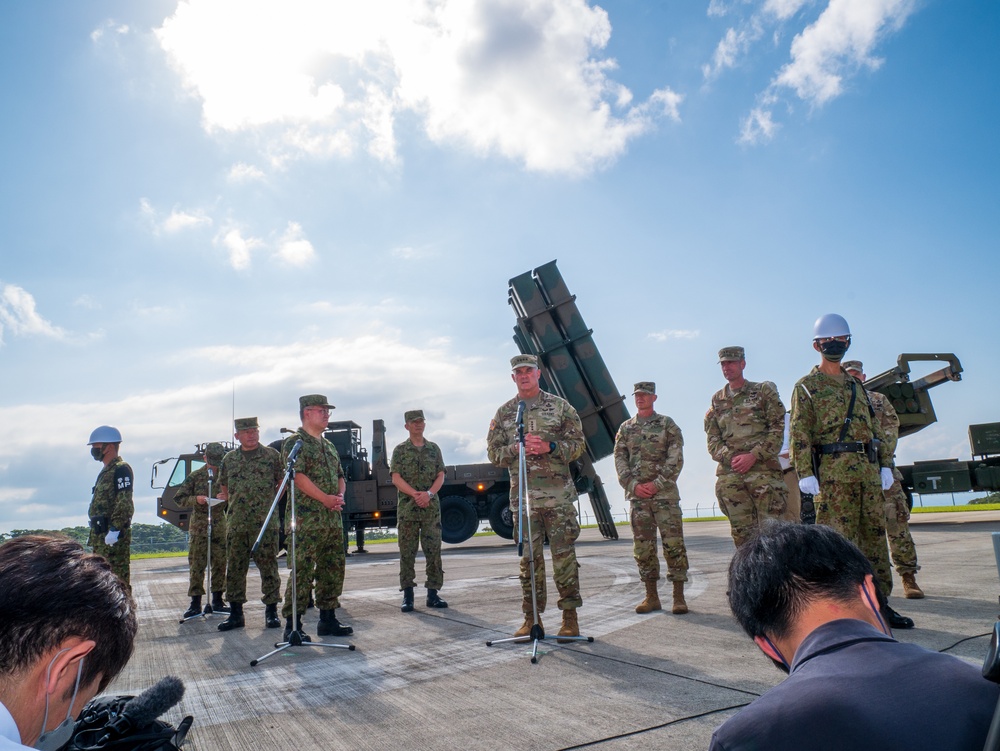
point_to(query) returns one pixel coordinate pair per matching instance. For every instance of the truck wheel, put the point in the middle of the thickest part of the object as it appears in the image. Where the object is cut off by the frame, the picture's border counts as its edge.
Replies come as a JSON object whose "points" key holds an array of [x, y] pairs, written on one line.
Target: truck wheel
{"points": [[459, 520], [501, 517]]}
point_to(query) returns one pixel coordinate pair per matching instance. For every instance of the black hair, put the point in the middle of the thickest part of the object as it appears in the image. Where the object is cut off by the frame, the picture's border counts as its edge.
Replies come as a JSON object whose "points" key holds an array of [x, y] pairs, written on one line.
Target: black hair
{"points": [[776, 573], [51, 589]]}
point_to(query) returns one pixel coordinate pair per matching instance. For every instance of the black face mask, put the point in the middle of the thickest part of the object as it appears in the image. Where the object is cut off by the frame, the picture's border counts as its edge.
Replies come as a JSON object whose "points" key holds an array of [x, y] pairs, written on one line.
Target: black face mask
{"points": [[97, 452], [834, 349]]}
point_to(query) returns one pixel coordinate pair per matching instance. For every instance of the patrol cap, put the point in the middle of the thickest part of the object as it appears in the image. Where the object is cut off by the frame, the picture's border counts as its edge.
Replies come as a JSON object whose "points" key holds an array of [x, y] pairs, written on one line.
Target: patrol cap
{"points": [[645, 387], [214, 453], [732, 354], [854, 365], [314, 400], [523, 361], [413, 414], [245, 423]]}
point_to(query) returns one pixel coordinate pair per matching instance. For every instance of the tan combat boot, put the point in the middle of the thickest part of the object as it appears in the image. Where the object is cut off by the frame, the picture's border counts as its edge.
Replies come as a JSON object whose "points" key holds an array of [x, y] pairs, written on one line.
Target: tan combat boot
{"points": [[652, 601], [570, 626], [680, 607], [910, 587], [525, 629]]}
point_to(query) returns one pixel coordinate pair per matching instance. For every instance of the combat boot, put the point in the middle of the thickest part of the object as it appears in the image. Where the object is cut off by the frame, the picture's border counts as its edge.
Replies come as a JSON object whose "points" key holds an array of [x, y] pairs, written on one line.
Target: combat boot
{"points": [[271, 619], [570, 626], [303, 636], [652, 601], [910, 587], [218, 604], [235, 619], [433, 601], [894, 619], [330, 626], [528, 624], [407, 605], [680, 607], [195, 608]]}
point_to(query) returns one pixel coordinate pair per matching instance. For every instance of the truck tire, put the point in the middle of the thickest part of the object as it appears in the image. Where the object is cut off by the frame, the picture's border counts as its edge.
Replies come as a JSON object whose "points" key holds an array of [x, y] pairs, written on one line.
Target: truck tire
{"points": [[501, 517], [459, 520]]}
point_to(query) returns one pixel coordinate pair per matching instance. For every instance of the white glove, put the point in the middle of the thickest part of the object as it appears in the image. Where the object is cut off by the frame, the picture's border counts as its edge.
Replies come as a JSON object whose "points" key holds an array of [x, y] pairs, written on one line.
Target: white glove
{"points": [[111, 537], [809, 485], [887, 478]]}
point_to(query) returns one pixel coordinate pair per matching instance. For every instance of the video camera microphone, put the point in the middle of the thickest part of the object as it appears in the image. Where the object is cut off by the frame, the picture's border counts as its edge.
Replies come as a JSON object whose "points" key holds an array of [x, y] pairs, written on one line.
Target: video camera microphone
{"points": [[143, 709]]}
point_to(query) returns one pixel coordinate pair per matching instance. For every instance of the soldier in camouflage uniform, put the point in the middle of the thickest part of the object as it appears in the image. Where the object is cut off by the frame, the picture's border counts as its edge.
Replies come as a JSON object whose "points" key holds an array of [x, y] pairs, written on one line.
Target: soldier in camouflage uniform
{"points": [[418, 473], [111, 505], [194, 494], [745, 428], [649, 455], [249, 479], [897, 510], [553, 439], [854, 461], [319, 536]]}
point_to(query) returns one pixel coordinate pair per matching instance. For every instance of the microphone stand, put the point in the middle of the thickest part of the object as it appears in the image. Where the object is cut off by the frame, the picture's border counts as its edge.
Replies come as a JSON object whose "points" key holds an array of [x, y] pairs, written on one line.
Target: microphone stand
{"points": [[537, 633], [208, 611], [295, 638]]}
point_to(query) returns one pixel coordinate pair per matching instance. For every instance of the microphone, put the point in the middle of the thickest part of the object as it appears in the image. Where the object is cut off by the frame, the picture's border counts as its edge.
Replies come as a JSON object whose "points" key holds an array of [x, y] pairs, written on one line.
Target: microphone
{"points": [[520, 412], [143, 709], [211, 473], [294, 454]]}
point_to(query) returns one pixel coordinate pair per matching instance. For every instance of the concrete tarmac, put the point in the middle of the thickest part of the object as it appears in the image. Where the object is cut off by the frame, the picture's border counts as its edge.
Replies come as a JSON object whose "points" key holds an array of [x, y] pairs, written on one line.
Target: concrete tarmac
{"points": [[427, 680]]}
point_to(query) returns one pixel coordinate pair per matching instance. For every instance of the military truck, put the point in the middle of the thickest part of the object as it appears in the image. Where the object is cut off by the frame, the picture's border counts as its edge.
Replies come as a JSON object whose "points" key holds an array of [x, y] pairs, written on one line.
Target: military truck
{"points": [[549, 325]]}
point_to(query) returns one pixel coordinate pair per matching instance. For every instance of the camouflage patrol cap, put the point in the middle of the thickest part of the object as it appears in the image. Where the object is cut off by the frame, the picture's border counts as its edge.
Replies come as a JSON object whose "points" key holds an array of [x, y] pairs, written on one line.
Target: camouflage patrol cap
{"points": [[245, 423], [314, 400], [523, 361], [732, 354], [214, 453], [413, 414], [645, 387], [854, 365]]}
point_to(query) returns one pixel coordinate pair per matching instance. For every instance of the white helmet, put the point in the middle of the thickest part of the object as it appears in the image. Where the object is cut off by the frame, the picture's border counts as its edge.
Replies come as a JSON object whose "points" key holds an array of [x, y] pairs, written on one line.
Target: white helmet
{"points": [[830, 325], [105, 434]]}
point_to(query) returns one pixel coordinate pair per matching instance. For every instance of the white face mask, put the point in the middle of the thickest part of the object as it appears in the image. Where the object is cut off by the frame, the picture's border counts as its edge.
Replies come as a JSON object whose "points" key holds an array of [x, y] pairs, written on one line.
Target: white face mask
{"points": [[59, 735]]}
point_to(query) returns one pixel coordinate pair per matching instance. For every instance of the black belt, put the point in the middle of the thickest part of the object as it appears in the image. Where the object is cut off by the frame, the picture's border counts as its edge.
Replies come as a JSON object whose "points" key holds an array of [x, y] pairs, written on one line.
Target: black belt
{"points": [[852, 447]]}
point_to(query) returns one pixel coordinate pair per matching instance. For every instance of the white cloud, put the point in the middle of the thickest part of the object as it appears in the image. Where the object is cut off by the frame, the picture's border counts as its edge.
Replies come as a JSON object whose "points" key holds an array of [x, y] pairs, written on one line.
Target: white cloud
{"points": [[18, 315], [177, 220], [108, 27], [238, 246], [293, 247], [244, 173], [758, 126], [669, 334], [409, 253], [522, 79]]}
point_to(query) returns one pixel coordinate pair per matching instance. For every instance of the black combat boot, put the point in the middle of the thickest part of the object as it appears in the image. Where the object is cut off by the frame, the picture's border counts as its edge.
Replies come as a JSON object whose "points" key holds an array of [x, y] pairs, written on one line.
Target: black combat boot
{"points": [[407, 605], [303, 636], [218, 604], [195, 608], [330, 626], [235, 619], [271, 619], [894, 619], [433, 601]]}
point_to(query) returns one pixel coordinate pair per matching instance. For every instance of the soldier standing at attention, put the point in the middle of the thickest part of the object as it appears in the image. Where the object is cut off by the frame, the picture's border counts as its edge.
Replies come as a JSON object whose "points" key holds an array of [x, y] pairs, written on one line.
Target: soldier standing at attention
{"points": [[319, 540], [553, 438], [417, 463], [193, 494], [831, 416], [249, 479], [111, 506], [649, 455], [745, 428], [897, 510]]}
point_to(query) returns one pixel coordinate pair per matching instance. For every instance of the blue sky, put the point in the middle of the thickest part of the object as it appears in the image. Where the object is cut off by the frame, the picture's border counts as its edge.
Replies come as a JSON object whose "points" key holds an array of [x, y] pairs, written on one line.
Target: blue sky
{"points": [[209, 202]]}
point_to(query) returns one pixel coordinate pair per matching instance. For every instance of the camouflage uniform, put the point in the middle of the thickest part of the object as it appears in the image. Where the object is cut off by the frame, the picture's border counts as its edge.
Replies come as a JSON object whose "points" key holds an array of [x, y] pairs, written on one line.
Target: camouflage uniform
{"points": [[194, 485], [319, 537], [551, 493], [419, 466], [751, 420], [851, 499], [651, 449], [113, 499], [252, 479], [897, 510]]}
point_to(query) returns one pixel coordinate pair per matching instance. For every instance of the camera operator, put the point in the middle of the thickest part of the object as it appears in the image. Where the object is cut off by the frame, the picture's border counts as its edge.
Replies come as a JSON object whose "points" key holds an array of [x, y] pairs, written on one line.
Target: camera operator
{"points": [[808, 598], [67, 629]]}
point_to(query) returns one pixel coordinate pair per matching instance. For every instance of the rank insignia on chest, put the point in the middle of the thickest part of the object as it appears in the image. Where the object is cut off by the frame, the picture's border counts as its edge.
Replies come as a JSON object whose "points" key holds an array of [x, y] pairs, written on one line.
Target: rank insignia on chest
{"points": [[532, 425]]}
